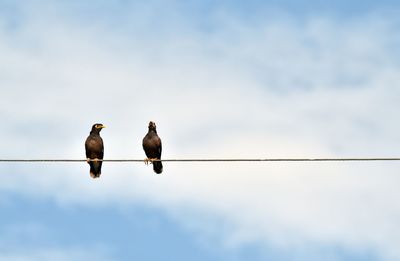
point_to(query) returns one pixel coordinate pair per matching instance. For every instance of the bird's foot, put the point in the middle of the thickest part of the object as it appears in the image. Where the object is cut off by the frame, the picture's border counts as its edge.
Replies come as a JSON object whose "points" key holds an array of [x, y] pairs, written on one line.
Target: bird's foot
{"points": [[146, 161], [87, 160], [149, 160]]}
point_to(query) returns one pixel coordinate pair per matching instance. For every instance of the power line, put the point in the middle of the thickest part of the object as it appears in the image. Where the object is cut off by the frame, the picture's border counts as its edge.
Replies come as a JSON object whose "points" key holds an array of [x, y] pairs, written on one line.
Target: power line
{"points": [[209, 160]]}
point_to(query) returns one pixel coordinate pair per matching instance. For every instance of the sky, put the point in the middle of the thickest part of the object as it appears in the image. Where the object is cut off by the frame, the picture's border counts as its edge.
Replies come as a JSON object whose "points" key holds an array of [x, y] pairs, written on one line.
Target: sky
{"points": [[221, 79]]}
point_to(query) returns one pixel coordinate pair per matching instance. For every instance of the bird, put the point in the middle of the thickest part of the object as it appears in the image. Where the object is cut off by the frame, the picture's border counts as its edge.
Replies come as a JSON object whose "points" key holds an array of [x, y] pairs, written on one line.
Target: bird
{"points": [[95, 150], [152, 147]]}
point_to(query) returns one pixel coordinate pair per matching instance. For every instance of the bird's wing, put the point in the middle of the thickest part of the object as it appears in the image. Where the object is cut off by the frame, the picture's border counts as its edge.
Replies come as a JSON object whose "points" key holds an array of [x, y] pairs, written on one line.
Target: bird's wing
{"points": [[159, 148]]}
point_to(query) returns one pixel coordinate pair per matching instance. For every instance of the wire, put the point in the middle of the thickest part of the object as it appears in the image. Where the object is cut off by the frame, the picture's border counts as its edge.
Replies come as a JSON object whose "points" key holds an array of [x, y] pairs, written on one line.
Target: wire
{"points": [[210, 160]]}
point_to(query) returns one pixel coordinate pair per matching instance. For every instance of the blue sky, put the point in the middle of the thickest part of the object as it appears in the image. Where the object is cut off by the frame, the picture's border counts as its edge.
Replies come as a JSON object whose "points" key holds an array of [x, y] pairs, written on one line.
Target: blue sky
{"points": [[221, 79]]}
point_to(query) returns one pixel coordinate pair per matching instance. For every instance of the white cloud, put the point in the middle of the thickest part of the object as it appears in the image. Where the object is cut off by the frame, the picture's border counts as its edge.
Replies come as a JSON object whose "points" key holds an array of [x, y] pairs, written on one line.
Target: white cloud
{"points": [[322, 88]]}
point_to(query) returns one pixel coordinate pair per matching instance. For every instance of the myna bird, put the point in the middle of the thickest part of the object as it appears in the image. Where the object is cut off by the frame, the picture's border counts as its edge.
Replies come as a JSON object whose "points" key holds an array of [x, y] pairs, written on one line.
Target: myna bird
{"points": [[95, 150], [152, 147]]}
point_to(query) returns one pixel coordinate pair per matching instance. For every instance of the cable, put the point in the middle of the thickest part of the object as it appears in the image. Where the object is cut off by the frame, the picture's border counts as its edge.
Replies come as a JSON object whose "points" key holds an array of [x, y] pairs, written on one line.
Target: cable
{"points": [[211, 160]]}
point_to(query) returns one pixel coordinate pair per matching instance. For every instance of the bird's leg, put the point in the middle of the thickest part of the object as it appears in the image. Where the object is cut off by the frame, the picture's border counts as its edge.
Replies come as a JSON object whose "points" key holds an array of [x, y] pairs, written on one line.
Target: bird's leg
{"points": [[146, 161], [153, 159], [92, 160]]}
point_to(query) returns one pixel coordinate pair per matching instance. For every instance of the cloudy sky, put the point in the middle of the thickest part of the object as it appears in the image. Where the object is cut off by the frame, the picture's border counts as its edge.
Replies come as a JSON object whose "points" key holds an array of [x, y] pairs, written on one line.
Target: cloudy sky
{"points": [[228, 79]]}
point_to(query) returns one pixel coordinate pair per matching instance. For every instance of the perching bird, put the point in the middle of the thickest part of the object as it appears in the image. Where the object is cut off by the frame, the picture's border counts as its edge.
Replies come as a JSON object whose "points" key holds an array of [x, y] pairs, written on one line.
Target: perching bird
{"points": [[95, 150], [152, 147]]}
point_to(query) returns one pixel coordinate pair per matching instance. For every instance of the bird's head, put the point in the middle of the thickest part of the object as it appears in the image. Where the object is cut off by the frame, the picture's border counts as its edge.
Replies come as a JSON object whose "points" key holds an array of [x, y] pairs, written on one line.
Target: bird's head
{"points": [[97, 127], [152, 125]]}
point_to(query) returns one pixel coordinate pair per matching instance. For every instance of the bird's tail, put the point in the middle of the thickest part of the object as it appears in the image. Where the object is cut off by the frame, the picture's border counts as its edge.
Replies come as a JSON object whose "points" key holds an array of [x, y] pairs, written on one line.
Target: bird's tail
{"points": [[95, 169], [157, 167]]}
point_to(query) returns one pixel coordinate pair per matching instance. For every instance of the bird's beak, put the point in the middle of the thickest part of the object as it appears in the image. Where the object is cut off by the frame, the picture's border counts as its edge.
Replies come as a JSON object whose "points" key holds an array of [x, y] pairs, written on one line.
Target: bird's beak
{"points": [[103, 126]]}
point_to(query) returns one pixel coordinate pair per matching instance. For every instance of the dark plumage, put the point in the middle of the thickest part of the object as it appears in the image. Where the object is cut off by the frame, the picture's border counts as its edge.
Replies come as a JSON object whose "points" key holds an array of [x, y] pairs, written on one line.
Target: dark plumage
{"points": [[95, 150], [152, 147]]}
